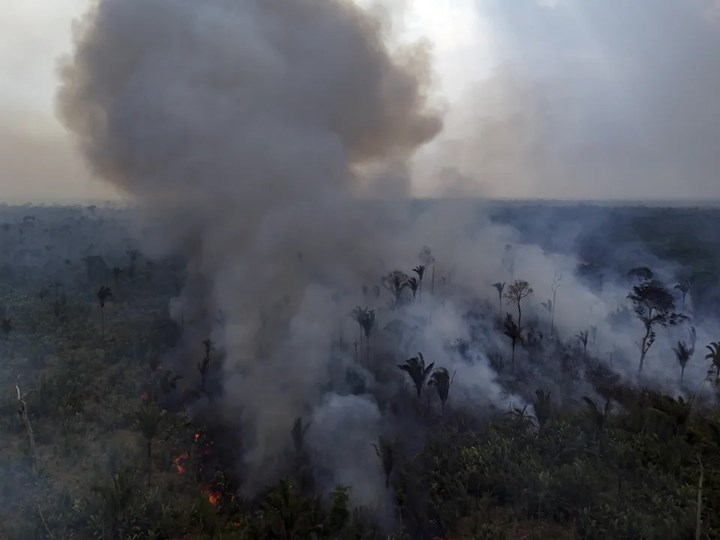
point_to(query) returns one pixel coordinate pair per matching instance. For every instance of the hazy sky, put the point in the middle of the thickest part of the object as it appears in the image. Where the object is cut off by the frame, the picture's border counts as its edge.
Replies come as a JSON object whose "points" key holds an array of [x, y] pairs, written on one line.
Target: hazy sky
{"points": [[549, 98]]}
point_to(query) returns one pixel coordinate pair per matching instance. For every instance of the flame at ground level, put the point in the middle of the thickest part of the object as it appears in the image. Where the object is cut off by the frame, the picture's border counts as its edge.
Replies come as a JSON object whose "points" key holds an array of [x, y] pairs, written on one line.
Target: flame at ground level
{"points": [[179, 465], [214, 497]]}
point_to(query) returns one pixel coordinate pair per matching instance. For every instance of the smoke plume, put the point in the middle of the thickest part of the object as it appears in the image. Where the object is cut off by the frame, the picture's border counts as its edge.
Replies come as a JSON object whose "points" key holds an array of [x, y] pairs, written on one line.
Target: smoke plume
{"points": [[244, 128], [269, 140]]}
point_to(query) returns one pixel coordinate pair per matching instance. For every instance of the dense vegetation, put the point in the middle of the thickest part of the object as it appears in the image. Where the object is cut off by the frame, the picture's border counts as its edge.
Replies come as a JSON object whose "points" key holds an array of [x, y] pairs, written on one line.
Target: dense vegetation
{"points": [[101, 438]]}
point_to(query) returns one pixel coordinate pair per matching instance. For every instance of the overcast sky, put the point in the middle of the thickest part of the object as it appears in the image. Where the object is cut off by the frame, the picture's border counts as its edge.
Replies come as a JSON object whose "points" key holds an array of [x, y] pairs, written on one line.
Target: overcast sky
{"points": [[548, 98]]}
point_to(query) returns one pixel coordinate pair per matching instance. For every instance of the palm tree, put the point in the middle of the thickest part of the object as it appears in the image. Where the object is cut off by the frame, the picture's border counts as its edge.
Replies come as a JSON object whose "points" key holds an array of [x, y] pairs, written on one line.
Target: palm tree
{"points": [[413, 284], [395, 282], [684, 287], [204, 365], [427, 259], [714, 357], [384, 451], [365, 318], [148, 420], [357, 314], [500, 287], [367, 323], [420, 271], [684, 352], [418, 372], [583, 337], [543, 406], [512, 331], [557, 281], [441, 380], [104, 294], [596, 417]]}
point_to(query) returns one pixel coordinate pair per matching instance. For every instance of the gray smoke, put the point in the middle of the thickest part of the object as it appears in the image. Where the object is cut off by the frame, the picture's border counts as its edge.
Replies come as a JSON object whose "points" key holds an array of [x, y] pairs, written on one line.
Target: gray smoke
{"points": [[269, 139], [244, 128]]}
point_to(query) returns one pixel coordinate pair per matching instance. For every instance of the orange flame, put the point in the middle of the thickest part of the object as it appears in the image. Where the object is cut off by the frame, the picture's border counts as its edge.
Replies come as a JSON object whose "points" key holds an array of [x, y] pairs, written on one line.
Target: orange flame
{"points": [[197, 436], [179, 462], [214, 497]]}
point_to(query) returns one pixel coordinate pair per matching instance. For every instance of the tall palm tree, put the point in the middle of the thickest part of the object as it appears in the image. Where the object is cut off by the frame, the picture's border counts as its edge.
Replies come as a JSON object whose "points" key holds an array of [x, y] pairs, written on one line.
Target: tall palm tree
{"points": [[557, 281], [395, 282], [367, 323], [428, 259], [684, 287], [148, 420], [413, 284], [418, 372], [357, 314], [365, 318], [543, 406], [684, 352], [714, 357], [441, 380], [204, 365], [500, 287], [583, 338], [384, 451], [103, 295], [595, 416], [420, 271], [512, 330]]}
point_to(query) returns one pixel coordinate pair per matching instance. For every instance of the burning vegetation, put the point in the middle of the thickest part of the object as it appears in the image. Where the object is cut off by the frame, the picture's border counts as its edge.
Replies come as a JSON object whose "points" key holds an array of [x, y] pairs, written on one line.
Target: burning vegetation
{"points": [[307, 366]]}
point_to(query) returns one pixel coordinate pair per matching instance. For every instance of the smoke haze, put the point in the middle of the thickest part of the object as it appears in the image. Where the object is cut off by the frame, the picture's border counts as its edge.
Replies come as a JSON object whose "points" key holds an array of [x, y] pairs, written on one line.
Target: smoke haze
{"points": [[271, 141], [592, 99]]}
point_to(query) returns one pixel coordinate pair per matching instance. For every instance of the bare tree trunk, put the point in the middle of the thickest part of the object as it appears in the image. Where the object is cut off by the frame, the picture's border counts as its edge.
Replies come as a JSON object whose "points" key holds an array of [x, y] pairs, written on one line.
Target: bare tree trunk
{"points": [[513, 355], [102, 322], [643, 349], [28, 426], [519, 318]]}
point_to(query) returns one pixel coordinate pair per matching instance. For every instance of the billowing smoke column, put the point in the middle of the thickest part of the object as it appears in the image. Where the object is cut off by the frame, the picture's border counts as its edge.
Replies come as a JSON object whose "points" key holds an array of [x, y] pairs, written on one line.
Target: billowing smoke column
{"points": [[268, 139], [241, 127]]}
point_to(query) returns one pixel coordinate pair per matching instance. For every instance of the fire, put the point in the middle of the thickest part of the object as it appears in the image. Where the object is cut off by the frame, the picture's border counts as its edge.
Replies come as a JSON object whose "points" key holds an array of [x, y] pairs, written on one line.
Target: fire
{"points": [[197, 436], [179, 462], [214, 497], [145, 396]]}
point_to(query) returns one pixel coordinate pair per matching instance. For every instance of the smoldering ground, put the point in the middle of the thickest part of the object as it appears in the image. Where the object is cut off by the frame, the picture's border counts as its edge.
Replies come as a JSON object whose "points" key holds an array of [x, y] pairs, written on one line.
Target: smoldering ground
{"points": [[269, 142]]}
